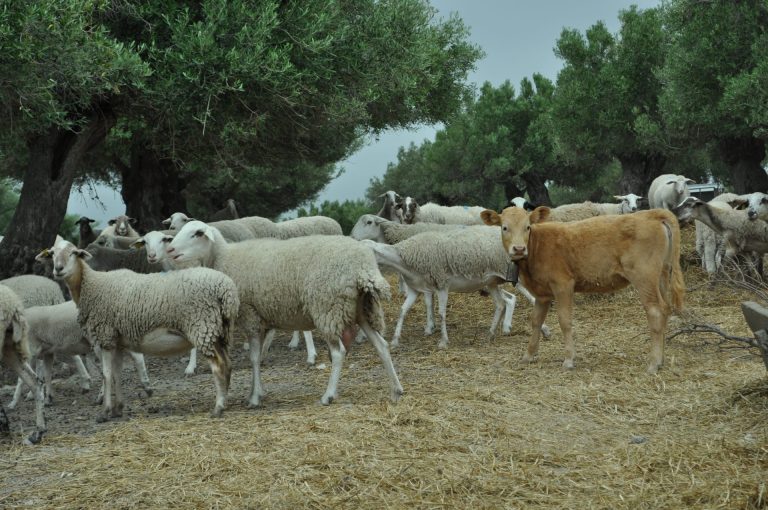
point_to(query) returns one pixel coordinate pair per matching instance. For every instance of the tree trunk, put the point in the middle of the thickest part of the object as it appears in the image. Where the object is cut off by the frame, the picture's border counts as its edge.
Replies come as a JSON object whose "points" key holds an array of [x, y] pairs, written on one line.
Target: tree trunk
{"points": [[745, 157], [54, 157], [638, 172], [511, 190], [538, 193], [152, 188]]}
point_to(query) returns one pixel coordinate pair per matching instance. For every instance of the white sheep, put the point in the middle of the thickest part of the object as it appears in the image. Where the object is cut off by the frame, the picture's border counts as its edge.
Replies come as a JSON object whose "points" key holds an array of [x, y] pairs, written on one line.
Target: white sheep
{"points": [[522, 203], [329, 283], [583, 210], [464, 260], [668, 190], [155, 244], [14, 351], [256, 227], [122, 226], [709, 244], [114, 241], [740, 234], [755, 204], [153, 314], [434, 213]]}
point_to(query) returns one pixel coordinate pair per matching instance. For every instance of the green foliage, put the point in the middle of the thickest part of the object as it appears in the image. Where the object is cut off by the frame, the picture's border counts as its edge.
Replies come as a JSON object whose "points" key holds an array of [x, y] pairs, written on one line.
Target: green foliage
{"points": [[9, 197], [346, 213], [69, 230], [598, 188]]}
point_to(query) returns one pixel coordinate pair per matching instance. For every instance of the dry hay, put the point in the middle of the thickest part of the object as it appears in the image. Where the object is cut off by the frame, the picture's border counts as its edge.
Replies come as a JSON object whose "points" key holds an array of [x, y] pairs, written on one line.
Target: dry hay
{"points": [[476, 427]]}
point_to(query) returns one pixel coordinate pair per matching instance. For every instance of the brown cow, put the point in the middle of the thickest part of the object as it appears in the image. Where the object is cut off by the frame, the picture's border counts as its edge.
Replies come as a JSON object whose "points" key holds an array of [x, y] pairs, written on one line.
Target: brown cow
{"points": [[601, 254]]}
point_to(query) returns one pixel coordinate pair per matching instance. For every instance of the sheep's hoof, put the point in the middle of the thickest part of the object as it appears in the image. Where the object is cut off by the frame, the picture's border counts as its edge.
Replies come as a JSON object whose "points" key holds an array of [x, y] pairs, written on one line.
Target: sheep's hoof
{"points": [[48, 402], [394, 343], [189, 371], [429, 330], [102, 418], [443, 344], [85, 389], [653, 368], [12, 405], [217, 412], [506, 331], [396, 394], [328, 399], [568, 364], [34, 438], [527, 358], [311, 362], [148, 391], [546, 331]]}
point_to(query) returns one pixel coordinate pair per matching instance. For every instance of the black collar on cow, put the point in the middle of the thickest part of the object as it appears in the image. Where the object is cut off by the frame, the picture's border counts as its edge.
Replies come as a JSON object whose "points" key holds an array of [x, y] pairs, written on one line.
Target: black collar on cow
{"points": [[512, 273]]}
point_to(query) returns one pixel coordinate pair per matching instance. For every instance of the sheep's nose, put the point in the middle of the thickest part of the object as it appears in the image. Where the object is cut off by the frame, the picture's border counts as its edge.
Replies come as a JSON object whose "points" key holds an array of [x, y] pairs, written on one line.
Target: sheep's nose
{"points": [[634, 209], [752, 215], [59, 269]]}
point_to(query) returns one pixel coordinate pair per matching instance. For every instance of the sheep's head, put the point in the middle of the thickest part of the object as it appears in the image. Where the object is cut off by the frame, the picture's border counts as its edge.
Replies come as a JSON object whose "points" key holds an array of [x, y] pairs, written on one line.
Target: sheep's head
{"points": [[155, 244], [522, 203], [84, 222], [680, 183], [64, 256], [756, 205], [629, 203], [689, 209], [515, 226], [193, 243], [122, 224], [176, 221], [408, 208], [367, 227]]}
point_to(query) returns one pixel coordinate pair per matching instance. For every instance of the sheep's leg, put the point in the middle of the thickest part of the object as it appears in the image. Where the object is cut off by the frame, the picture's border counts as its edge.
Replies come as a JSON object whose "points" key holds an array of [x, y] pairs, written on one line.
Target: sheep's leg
{"points": [[83, 374], [527, 294], [311, 352], [141, 369], [222, 374], [17, 394], [410, 299], [254, 351], [268, 339], [107, 368], [45, 368], [401, 285], [337, 361], [498, 306], [429, 327], [29, 377], [117, 373], [540, 309], [294, 343], [383, 349], [510, 301], [192, 365], [442, 307]]}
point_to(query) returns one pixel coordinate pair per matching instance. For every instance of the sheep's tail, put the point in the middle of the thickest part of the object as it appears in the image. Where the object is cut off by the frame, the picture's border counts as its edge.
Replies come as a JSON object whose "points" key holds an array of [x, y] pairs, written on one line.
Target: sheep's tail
{"points": [[672, 271], [373, 288]]}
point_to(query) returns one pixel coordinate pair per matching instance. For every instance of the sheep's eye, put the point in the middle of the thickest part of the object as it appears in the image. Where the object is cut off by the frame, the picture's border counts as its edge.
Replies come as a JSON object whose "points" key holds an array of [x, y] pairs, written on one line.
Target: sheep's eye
{"points": [[764, 201], [167, 239], [199, 233], [504, 228], [370, 222]]}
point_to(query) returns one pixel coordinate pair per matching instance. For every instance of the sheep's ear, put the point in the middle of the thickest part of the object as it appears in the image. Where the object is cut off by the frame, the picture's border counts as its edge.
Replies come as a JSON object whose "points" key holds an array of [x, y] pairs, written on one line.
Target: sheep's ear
{"points": [[167, 221], [132, 221], [539, 215], [138, 244], [45, 254], [90, 220], [378, 220], [205, 231], [690, 181], [737, 203], [491, 217], [83, 254], [620, 198], [111, 222]]}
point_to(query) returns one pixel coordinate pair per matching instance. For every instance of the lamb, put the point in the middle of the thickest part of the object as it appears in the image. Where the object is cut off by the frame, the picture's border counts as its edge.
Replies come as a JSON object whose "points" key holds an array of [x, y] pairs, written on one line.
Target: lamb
{"points": [[668, 190], [14, 350], [434, 213], [87, 234], [739, 233], [122, 226], [256, 227], [465, 260], [329, 283], [152, 314], [390, 210], [709, 244]]}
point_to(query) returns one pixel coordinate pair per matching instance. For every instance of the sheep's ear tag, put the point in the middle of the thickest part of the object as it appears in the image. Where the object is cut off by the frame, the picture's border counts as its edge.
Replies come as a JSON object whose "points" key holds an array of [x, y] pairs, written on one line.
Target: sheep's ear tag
{"points": [[512, 273]]}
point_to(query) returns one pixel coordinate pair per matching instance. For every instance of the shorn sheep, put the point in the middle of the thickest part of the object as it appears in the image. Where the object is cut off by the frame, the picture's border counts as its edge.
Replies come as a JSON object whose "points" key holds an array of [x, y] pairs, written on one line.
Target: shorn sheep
{"points": [[152, 314], [328, 283], [256, 227], [14, 351], [602, 254], [466, 260], [668, 190]]}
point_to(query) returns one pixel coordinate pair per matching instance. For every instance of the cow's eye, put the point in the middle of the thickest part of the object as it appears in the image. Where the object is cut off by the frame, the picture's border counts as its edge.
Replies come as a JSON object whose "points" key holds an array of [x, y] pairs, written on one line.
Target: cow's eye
{"points": [[504, 228], [528, 227]]}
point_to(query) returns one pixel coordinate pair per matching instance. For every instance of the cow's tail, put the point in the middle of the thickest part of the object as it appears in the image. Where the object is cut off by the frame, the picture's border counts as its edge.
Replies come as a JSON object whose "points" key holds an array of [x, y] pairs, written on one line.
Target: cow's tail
{"points": [[673, 274]]}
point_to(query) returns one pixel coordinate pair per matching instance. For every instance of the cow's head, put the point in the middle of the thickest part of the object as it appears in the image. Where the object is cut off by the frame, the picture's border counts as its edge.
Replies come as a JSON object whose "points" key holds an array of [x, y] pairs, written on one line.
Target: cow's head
{"points": [[515, 226]]}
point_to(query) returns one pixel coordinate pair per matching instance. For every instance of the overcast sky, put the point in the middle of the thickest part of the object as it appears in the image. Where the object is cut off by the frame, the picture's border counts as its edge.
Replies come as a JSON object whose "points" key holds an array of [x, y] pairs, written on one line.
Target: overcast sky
{"points": [[518, 37]]}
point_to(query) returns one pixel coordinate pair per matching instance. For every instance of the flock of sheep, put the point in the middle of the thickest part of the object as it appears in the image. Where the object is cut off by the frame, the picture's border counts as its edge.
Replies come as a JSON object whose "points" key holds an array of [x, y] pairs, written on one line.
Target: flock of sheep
{"points": [[196, 285]]}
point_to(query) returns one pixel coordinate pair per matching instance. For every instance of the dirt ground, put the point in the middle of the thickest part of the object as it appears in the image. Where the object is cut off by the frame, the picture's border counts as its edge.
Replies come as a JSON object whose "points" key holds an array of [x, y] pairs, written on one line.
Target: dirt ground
{"points": [[476, 427]]}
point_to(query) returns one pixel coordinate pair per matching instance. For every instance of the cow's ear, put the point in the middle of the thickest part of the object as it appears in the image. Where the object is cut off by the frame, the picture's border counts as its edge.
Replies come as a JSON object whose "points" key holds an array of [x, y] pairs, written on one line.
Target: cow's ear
{"points": [[491, 217], [539, 215]]}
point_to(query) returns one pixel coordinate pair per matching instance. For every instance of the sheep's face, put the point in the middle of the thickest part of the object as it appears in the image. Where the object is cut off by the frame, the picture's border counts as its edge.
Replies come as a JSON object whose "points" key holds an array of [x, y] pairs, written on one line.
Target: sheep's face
{"points": [[84, 223], [122, 224], [515, 226], [193, 243], [408, 209], [155, 243], [756, 205], [367, 227], [177, 221], [689, 209], [629, 203], [64, 256], [680, 184], [522, 203]]}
